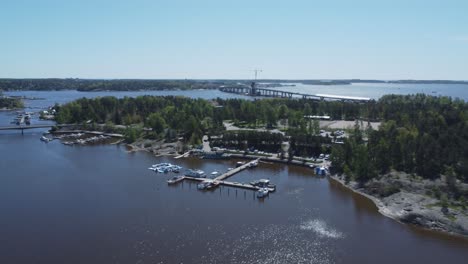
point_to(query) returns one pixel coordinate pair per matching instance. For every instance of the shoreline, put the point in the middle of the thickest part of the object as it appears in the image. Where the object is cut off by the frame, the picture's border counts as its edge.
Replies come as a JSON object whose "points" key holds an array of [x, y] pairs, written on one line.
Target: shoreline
{"points": [[405, 207], [414, 214]]}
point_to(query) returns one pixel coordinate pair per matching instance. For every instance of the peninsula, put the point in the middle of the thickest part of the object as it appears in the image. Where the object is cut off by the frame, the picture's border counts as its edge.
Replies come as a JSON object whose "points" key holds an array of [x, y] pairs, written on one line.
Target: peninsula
{"points": [[414, 165]]}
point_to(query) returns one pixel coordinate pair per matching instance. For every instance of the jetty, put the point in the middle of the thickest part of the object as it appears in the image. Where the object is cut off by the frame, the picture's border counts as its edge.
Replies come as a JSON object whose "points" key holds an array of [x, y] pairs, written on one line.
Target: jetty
{"points": [[230, 173], [186, 154], [221, 180]]}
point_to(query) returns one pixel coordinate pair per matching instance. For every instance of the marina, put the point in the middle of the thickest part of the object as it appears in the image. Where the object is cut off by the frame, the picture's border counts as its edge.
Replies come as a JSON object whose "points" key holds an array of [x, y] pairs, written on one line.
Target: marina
{"points": [[262, 187]]}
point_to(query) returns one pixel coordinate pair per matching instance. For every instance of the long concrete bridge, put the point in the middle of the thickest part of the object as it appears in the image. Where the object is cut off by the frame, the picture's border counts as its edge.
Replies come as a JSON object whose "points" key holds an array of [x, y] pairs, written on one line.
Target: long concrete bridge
{"points": [[253, 91], [23, 127]]}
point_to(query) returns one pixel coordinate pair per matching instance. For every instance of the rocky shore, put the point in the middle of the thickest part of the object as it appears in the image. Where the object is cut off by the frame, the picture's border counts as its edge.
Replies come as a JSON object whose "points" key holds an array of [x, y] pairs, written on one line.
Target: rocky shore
{"points": [[157, 147], [400, 197]]}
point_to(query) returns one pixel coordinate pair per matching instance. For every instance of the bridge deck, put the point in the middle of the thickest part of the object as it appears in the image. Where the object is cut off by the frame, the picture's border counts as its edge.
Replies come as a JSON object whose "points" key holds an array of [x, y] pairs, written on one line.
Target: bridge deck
{"points": [[21, 127], [279, 93]]}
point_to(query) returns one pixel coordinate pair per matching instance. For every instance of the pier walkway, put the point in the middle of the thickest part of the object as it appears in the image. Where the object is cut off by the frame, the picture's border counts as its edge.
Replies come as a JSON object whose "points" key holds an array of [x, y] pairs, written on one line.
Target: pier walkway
{"points": [[228, 174], [221, 179]]}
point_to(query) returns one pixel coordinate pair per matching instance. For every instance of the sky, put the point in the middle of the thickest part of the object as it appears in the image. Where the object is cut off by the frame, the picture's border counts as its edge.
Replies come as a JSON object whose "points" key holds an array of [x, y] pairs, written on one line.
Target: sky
{"points": [[229, 39]]}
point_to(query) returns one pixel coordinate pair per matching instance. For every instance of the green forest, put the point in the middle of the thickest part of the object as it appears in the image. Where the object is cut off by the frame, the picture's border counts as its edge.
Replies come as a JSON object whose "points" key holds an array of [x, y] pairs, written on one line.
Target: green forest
{"points": [[10, 103], [424, 135], [419, 134], [104, 85]]}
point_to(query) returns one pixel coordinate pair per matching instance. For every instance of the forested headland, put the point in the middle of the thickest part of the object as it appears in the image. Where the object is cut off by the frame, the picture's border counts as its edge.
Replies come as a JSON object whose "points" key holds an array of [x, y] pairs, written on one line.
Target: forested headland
{"points": [[420, 134], [10, 103]]}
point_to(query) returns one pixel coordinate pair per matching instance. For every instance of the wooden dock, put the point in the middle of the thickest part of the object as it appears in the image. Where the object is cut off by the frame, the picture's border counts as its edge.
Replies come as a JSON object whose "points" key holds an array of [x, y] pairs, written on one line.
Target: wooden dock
{"points": [[228, 174], [221, 179], [226, 183], [186, 154]]}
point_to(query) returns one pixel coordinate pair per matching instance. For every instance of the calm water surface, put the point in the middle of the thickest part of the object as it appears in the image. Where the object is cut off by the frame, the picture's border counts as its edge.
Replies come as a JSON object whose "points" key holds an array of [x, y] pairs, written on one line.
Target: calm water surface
{"points": [[377, 90], [100, 204]]}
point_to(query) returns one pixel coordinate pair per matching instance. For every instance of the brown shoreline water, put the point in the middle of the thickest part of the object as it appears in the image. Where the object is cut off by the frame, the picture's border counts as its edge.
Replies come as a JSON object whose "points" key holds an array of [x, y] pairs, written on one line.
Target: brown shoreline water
{"points": [[100, 204], [369, 203]]}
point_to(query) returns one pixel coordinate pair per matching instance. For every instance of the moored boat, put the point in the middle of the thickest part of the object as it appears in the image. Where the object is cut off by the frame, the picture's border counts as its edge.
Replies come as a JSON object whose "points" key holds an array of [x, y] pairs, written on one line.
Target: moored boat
{"points": [[264, 183], [262, 192], [45, 139], [175, 179], [203, 185], [195, 173]]}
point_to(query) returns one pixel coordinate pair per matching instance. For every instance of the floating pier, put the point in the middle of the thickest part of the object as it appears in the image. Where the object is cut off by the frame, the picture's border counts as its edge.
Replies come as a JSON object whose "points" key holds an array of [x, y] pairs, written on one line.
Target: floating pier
{"points": [[228, 174], [220, 180]]}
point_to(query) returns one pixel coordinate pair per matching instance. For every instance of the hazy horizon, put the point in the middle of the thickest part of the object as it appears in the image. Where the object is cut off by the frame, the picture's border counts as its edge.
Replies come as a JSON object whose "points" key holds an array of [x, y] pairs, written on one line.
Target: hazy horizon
{"points": [[297, 40]]}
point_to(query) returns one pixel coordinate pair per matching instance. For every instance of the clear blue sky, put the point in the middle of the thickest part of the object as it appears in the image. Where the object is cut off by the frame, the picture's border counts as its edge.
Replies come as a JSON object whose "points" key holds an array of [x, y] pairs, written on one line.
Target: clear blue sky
{"points": [[227, 39]]}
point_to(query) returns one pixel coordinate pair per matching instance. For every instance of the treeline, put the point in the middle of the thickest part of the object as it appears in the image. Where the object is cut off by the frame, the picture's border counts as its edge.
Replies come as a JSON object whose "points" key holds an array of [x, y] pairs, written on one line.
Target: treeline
{"points": [[193, 117], [180, 115], [424, 135], [104, 85], [268, 111], [176, 110], [10, 103], [306, 145]]}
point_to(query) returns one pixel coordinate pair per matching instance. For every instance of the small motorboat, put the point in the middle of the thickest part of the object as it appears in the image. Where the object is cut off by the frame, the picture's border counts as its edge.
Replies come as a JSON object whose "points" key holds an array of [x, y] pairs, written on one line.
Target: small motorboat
{"points": [[203, 185], [45, 139], [262, 192]]}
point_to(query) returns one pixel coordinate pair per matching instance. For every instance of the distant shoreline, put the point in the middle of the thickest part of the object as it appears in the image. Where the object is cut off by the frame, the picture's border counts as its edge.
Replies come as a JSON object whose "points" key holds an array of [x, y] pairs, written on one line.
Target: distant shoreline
{"points": [[89, 85]]}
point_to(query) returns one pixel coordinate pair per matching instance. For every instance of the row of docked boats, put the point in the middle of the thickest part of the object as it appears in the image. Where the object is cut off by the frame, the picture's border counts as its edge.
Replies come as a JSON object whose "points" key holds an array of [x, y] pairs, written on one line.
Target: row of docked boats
{"points": [[23, 118], [165, 168]]}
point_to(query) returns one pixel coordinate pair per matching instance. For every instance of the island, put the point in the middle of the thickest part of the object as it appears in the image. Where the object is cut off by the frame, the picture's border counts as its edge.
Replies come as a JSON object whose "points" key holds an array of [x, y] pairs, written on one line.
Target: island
{"points": [[9, 103]]}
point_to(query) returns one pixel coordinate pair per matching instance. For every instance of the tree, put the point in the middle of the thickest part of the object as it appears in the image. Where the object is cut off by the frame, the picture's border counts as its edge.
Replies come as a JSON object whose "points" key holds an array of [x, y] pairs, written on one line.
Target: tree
{"points": [[156, 122], [130, 135]]}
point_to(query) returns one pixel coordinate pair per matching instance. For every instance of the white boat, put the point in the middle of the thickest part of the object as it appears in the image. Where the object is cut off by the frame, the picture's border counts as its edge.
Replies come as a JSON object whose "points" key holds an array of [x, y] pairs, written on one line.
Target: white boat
{"points": [[262, 192], [175, 179], [165, 168], [214, 173], [45, 139], [195, 173], [239, 163], [203, 185], [253, 164]]}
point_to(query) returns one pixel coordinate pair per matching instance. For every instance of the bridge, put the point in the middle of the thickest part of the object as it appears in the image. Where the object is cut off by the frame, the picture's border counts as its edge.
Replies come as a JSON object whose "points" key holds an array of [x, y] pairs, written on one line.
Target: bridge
{"points": [[254, 91], [23, 127]]}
